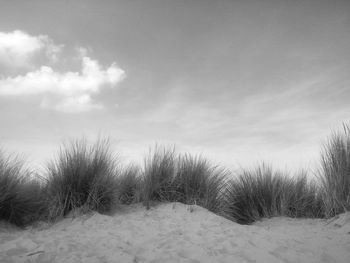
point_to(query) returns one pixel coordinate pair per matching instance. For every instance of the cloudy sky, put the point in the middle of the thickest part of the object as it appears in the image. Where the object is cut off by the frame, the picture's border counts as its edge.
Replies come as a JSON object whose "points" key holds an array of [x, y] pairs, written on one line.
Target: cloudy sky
{"points": [[240, 81]]}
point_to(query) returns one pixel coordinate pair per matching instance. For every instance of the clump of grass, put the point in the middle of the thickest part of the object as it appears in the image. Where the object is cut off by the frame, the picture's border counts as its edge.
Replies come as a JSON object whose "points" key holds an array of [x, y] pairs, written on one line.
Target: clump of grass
{"points": [[129, 184], [335, 173], [264, 193], [82, 176], [196, 181], [254, 194], [158, 175], [302, 197], [175, 178], [21, 198]]}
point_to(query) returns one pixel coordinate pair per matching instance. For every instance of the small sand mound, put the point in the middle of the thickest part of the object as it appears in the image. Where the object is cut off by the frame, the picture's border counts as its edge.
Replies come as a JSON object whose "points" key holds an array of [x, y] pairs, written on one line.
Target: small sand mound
{"points": [[175, 232]]}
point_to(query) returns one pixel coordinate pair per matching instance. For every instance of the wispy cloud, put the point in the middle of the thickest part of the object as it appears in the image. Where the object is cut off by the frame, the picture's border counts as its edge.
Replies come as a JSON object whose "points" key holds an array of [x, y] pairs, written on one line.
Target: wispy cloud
{"points": [[68, 91]]}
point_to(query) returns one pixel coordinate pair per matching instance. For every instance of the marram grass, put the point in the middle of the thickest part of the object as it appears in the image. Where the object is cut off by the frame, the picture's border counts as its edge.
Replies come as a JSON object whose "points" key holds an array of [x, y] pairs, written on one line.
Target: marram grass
{"points": [[263, 192], [21, 196], [335, 172], [183, 178], [89, 177], [82, 176]]}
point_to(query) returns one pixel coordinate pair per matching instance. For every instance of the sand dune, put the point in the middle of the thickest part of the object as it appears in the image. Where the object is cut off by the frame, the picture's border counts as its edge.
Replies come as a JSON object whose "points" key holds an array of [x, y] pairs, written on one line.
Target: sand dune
{"points": [[177, 233]]}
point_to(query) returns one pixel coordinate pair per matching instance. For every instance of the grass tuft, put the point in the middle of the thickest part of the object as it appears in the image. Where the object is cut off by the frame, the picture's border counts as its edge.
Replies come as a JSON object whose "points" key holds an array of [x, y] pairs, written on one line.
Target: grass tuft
{"points": [[302, 197], [264, 193], [335, 173], [129, 184], [158, 174], [196, 181], [21, 201], [183, 178], [82, 176]]}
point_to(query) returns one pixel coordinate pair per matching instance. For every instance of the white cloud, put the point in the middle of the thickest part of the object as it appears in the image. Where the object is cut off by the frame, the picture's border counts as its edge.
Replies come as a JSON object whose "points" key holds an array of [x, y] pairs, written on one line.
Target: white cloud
{"points": [[46, 80], [68, 91], [18, 48]]}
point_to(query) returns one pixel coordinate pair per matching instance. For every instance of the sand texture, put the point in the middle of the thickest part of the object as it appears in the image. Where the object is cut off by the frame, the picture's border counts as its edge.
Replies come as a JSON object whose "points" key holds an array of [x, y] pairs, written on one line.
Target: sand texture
{"points": [[175, 232]]}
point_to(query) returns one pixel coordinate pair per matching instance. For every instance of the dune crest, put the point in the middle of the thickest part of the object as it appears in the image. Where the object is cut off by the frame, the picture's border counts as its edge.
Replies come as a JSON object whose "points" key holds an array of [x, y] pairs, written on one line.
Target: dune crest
{"points": [[174, 232]]}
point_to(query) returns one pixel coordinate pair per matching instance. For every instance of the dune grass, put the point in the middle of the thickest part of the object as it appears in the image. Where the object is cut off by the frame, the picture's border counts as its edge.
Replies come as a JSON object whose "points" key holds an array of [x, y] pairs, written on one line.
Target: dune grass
{"points": [[196, 181], [159, 170], [335, 172], [82, 177], [303, 197], [263, 193], [182, 178], [21, 198], [89, 177], [129, 185]]}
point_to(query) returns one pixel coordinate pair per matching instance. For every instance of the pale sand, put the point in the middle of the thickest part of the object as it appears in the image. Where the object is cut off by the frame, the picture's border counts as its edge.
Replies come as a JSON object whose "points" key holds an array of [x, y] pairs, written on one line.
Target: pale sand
{"points": [[177, 233]]}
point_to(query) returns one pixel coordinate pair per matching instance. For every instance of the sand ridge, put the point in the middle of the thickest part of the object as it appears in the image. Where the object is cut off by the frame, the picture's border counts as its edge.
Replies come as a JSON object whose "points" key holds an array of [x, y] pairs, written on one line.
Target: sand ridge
{"points": [[174, 232]]}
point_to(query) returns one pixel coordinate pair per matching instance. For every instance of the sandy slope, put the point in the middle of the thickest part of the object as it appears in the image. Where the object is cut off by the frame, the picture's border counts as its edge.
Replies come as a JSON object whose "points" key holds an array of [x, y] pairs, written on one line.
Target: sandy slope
{"points": [[177, 233]]}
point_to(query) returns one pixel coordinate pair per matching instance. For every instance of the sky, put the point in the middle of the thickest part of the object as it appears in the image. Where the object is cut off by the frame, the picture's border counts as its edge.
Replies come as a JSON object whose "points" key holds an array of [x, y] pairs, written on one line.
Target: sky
{"points": [[238, 81]]}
